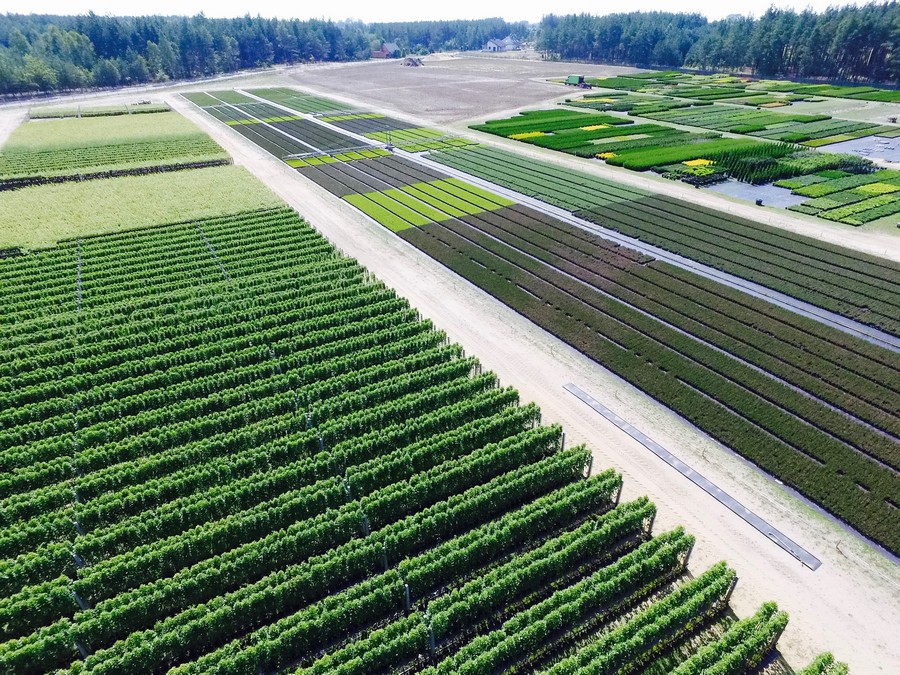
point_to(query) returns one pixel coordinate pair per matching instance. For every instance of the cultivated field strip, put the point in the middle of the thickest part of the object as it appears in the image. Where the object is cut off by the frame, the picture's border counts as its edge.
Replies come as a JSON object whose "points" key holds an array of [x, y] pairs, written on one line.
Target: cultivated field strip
{"points": [[366, 123], [228, 448], [278, 132], [815, 403], [785, 431], [62, 150], [863, 288], [807, 403], [303, 103]]}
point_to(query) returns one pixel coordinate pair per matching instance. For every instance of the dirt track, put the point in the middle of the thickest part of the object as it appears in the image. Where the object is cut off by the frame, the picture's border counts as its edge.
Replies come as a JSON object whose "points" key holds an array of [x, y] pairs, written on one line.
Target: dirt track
{"points": [[850, 605]]}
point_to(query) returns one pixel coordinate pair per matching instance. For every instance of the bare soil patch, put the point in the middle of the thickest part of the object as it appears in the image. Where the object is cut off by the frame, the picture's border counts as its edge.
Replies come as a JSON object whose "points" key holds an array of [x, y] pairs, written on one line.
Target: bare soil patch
{"points": [[451, 87]]}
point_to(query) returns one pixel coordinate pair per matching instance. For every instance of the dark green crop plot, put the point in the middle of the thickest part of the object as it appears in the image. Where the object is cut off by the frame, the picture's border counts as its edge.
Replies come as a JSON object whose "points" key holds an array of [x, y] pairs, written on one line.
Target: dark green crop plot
{"points": [[853, 284], [546, 121], [611, 310]]}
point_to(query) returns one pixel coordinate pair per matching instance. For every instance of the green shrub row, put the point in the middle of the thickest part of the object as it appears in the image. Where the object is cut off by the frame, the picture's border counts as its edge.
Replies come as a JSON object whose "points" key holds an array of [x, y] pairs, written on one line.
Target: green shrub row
{"points": [[727, 412]]}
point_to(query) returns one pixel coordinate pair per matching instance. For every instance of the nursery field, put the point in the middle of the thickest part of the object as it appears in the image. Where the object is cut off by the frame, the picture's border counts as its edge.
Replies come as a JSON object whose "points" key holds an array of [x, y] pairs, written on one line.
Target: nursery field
{"points": [[226, 447], [696, 158], [854, 199], [829, 435], [634, 104], [55, 150], [636, 328], [832, 277], [314, 137], [810, 130], [304, 103], [746, 90], [272, 128]]}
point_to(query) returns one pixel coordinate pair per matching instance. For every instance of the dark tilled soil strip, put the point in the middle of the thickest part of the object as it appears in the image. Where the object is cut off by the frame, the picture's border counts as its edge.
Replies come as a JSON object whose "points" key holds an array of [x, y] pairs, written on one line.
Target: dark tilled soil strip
{"points": [[372, 125], [411, 168], [317, 176], [315, 134]]}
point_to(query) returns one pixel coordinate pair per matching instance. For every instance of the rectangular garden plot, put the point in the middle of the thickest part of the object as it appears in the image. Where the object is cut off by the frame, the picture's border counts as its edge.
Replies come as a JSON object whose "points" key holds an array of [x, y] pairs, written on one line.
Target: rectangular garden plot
{"points": [[366, 123], [829, 276], [305, 103], [76, 148], [597, 298]]}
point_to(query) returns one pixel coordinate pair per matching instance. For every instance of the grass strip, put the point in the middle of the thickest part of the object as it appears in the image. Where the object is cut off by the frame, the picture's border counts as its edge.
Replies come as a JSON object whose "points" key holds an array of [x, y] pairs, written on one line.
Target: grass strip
{"points": [[377, 212]]}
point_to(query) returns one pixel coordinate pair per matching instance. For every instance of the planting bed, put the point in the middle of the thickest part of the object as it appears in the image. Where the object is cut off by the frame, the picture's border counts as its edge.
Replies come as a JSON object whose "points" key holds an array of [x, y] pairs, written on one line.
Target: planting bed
{"points": [[825, 425], [811, 130], [848, 198], [306, 140], [633, 104], [290, 470], [226, 447], [584, 291], [418, 139], [832, 277], [738, 89], [366, 123], [299, 101], [56, 150], [274, 130], [641, 147]]}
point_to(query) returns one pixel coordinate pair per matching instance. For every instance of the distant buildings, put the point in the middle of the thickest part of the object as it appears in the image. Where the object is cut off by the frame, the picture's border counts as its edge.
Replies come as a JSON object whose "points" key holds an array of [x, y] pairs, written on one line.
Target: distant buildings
{"points": [[507, 44], [389, 50]]}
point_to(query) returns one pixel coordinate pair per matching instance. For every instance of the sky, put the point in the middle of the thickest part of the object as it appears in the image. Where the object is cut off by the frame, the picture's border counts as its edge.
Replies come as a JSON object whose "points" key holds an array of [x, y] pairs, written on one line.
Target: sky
{"points": [[372, 10]]}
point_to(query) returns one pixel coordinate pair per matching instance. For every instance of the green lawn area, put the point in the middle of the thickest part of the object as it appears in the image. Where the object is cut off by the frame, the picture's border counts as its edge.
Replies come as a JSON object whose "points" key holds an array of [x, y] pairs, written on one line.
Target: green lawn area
{"points": [[61, 134], [38, 217]]}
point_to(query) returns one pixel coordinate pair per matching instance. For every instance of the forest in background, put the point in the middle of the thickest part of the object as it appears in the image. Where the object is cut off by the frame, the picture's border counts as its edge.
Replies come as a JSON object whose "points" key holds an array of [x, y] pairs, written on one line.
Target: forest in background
{"points": [[56, 53], [849, 43]]}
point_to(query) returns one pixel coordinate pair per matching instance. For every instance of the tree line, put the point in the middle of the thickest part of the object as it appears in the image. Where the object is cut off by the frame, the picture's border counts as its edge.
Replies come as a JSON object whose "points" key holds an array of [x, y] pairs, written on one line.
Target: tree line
{"points": [[847, 43], [40, 53]]}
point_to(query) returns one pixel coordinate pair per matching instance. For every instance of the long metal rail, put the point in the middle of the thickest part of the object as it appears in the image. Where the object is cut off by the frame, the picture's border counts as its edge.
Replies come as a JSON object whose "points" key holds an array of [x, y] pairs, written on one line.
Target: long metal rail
{"points": [[769, 531]]}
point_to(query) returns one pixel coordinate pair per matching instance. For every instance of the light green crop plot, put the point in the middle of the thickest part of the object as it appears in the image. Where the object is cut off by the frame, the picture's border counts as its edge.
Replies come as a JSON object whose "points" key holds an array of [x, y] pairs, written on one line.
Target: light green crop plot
{"points": [[58, 147], [38, 217]]}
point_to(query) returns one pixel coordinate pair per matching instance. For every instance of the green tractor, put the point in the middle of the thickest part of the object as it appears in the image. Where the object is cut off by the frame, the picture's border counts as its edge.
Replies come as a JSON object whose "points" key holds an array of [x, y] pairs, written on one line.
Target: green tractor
{"points": [[577, 81]]}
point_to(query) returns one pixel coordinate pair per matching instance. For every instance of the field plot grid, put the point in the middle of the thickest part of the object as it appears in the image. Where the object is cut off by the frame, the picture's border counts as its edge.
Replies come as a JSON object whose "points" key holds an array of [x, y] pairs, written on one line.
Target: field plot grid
{"points": [[810, 405], [861, 287], [703, 350]]}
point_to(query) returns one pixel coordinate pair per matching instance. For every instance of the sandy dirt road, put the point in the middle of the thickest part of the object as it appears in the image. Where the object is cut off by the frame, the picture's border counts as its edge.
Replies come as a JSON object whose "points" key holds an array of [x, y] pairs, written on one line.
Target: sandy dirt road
{"points": [[851, 605]]}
